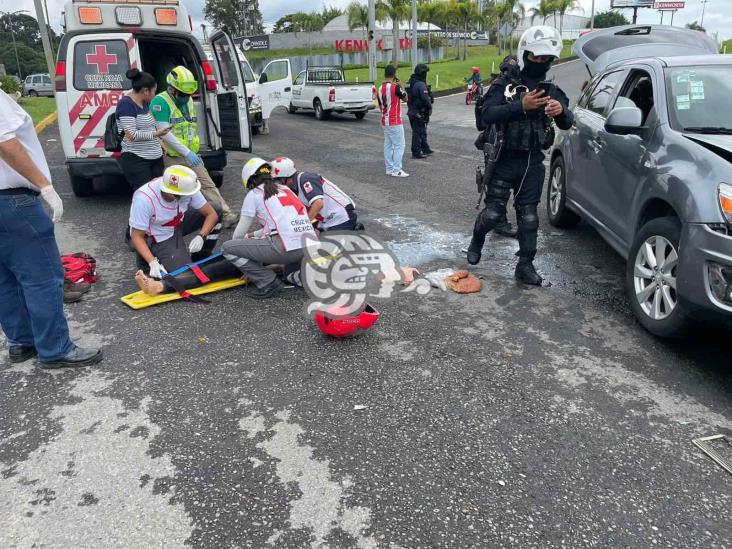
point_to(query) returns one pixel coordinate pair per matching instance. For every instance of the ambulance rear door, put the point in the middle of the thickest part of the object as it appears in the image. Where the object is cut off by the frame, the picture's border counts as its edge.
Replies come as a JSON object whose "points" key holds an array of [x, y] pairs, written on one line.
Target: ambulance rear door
{"points": [[231, 95], [275, 86], [95, 82]]}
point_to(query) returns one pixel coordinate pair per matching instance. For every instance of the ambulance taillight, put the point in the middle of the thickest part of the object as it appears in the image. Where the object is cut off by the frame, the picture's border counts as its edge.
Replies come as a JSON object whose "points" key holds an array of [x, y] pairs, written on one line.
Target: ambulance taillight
{"points": [[60, 79], [209, 75]]}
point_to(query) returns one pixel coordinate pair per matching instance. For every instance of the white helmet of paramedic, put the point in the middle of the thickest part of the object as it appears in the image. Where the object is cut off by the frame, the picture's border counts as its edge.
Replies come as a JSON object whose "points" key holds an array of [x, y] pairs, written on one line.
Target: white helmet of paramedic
{"points": [[180, 181], [182, 80], [282, 168], [539, 40], [254, 166]]}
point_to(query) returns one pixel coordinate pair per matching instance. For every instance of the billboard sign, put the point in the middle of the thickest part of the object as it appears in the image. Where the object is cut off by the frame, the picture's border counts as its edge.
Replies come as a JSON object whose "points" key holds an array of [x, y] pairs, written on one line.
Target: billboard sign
{"points": [[253, 43], [669, 6], [631, 3]]}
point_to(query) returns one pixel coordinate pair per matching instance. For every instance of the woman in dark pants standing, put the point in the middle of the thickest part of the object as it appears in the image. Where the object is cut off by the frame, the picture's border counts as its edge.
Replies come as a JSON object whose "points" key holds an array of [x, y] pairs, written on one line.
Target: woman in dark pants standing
{"points": [[142, 153]]}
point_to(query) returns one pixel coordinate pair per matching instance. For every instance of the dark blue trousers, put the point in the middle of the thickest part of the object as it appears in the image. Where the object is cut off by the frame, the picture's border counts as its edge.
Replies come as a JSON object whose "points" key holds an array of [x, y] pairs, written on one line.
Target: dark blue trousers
{"points": [[31, 278]]}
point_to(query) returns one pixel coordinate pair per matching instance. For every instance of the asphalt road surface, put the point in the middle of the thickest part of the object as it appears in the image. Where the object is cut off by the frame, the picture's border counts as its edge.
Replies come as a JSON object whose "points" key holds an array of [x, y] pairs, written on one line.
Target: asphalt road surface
{"points": [[515, 417]]}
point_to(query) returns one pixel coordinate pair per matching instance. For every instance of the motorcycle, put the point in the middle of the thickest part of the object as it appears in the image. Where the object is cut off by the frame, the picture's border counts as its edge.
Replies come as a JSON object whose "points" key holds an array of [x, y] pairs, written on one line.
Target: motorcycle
{"points": [[473, 91]]}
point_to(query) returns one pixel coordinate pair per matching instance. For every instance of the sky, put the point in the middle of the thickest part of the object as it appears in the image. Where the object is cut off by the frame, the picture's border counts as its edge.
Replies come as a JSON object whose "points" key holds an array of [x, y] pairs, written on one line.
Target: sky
{"points": [[718, 16]]}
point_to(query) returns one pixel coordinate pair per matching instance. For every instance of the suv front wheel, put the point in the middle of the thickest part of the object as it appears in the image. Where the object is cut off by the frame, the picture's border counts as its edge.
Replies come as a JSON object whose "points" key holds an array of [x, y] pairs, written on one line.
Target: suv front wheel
{"points": [[651, 278]]}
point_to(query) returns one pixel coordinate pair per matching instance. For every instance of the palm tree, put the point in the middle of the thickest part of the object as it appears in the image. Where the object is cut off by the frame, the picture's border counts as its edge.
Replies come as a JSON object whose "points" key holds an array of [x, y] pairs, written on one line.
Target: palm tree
{"points": [[447, 15], [563, 6], [396, 11], [544, 10], [358, 17], [429, 12], [510, 13], [467, 12]]}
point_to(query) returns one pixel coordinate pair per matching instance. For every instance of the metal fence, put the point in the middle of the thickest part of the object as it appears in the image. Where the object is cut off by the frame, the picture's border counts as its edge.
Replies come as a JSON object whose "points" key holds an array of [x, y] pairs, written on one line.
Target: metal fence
{"points": [[300, 63]]}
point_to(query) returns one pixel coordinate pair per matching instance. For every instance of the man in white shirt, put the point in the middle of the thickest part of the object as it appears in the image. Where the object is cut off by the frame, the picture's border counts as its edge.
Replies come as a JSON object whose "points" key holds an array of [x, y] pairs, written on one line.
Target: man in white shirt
{"points": [[31, 276], [164, 211]]}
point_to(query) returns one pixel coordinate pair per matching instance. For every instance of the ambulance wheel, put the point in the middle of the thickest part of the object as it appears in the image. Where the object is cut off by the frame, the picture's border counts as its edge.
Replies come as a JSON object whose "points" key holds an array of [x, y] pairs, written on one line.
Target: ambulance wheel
{"points": [[82, 186], [217, 178], [291, 109], [360, 115]]}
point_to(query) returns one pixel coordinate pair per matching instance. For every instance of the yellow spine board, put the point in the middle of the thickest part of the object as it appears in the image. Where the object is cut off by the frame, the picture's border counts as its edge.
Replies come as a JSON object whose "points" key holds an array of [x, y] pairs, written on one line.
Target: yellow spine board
{"points": [[140, 300]]}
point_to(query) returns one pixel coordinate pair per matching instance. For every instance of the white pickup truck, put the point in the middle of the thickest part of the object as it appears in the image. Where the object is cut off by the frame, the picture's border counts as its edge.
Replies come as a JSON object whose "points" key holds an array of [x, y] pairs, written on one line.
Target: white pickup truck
{"points": [[325, 90]]}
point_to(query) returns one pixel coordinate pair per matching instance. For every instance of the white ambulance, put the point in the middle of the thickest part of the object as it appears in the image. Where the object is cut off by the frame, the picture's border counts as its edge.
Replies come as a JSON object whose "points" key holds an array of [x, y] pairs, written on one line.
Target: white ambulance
{"points": [[102, 40]]}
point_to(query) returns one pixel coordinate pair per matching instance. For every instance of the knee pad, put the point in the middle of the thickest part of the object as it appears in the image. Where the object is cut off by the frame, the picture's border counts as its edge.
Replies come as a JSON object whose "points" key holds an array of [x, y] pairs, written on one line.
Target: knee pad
{"points": [[527, 218]]}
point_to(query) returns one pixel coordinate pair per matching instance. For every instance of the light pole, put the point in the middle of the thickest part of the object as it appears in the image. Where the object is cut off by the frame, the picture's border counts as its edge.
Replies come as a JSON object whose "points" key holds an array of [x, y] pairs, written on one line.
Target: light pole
{"points": [[592, 16], [12, 33], [704, 6], [414, 33], [372, 40]]}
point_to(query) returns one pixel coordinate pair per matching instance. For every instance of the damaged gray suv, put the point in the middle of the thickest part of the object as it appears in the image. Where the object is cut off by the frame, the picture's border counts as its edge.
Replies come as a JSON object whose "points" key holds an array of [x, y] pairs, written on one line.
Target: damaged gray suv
{"points": [[649, 165]]}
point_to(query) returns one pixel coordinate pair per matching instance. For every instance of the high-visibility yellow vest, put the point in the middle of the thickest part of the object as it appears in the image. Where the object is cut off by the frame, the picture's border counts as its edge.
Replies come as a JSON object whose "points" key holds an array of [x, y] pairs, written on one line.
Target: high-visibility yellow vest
{"points": [[185, 129]]}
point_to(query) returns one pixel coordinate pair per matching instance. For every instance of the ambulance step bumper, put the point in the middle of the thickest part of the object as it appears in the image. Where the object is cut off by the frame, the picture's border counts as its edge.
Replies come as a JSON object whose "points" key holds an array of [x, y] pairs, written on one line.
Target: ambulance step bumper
{"points": [[90, 168]]}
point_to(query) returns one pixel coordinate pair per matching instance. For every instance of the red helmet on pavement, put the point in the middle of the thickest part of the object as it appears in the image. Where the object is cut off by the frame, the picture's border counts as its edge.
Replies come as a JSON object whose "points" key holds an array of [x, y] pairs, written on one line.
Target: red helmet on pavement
{"points": [[336, 324], [475, 70]]}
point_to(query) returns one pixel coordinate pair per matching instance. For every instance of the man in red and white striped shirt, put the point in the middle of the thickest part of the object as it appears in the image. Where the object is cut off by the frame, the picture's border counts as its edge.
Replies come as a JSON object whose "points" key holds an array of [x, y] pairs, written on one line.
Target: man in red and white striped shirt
{"points": [[391, 95]]}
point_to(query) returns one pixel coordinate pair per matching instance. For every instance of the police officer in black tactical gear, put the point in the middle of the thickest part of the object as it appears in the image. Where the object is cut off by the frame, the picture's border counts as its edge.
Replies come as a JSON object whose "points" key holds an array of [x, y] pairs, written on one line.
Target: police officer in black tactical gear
{"points": [[419, 110], [522, 107]]}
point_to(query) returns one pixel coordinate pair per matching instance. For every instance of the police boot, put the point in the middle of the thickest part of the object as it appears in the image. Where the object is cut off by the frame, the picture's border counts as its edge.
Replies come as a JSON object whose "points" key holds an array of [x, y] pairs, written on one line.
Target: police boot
{"points": [[527, 220], [476, 247]]}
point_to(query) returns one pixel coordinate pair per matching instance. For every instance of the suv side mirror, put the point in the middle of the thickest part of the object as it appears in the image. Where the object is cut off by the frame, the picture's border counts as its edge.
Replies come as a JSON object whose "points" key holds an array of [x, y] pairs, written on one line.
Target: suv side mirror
{"points": [[625, 121], [263, 78]]}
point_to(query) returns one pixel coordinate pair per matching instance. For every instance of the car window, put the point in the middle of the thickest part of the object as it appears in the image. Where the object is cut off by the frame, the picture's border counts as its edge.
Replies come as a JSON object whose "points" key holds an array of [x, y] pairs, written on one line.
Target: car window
{"points": [[601, 94], [28, 79], [277, 70], [246, 70], [300, 79], [226, 58], [586, 92], [698, 97], [637, 92], [101, 65], [36, 79], [47, 80]]}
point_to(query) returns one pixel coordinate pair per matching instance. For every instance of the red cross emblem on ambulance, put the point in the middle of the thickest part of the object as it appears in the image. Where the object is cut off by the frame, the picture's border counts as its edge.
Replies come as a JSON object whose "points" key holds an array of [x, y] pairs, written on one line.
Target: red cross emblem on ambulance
{"points": [[101, 59]]}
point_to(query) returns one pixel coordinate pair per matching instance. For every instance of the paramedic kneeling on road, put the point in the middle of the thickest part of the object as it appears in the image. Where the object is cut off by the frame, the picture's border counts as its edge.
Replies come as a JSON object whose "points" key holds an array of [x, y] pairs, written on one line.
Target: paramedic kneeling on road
{"points": [[329, 208], [163, 212], [175, 109], [280, 241]]}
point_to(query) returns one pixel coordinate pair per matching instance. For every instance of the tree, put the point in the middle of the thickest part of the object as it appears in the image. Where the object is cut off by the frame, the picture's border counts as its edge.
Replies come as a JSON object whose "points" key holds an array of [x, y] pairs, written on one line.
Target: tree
{"points": [[545, 9], [358, 17], [329, 13], [283, 24], [395, 11], [429, 12], [239, 17], [609, 18], [563, 6], [468, 14], [509, 13], [695, 26], [31, 60]]}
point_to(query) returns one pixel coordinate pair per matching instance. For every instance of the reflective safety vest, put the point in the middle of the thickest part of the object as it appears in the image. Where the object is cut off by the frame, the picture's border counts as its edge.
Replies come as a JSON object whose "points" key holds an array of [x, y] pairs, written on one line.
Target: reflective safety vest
{"points": [[185, 129]]}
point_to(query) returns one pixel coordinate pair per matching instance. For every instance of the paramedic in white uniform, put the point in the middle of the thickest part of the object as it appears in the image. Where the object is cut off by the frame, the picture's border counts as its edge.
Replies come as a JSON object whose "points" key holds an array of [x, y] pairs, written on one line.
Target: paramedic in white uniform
{"points": [[280, 241]]}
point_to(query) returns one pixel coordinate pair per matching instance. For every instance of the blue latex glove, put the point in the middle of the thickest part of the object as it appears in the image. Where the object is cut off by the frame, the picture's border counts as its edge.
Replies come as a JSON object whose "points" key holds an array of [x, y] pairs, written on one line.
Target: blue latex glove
{"points": [[193, 159]]}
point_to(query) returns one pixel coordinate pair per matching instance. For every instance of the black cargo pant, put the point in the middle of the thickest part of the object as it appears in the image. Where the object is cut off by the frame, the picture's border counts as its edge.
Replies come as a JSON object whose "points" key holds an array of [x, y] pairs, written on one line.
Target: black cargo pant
{"points": [[419, 134], [523, 173], [173, 253]]}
